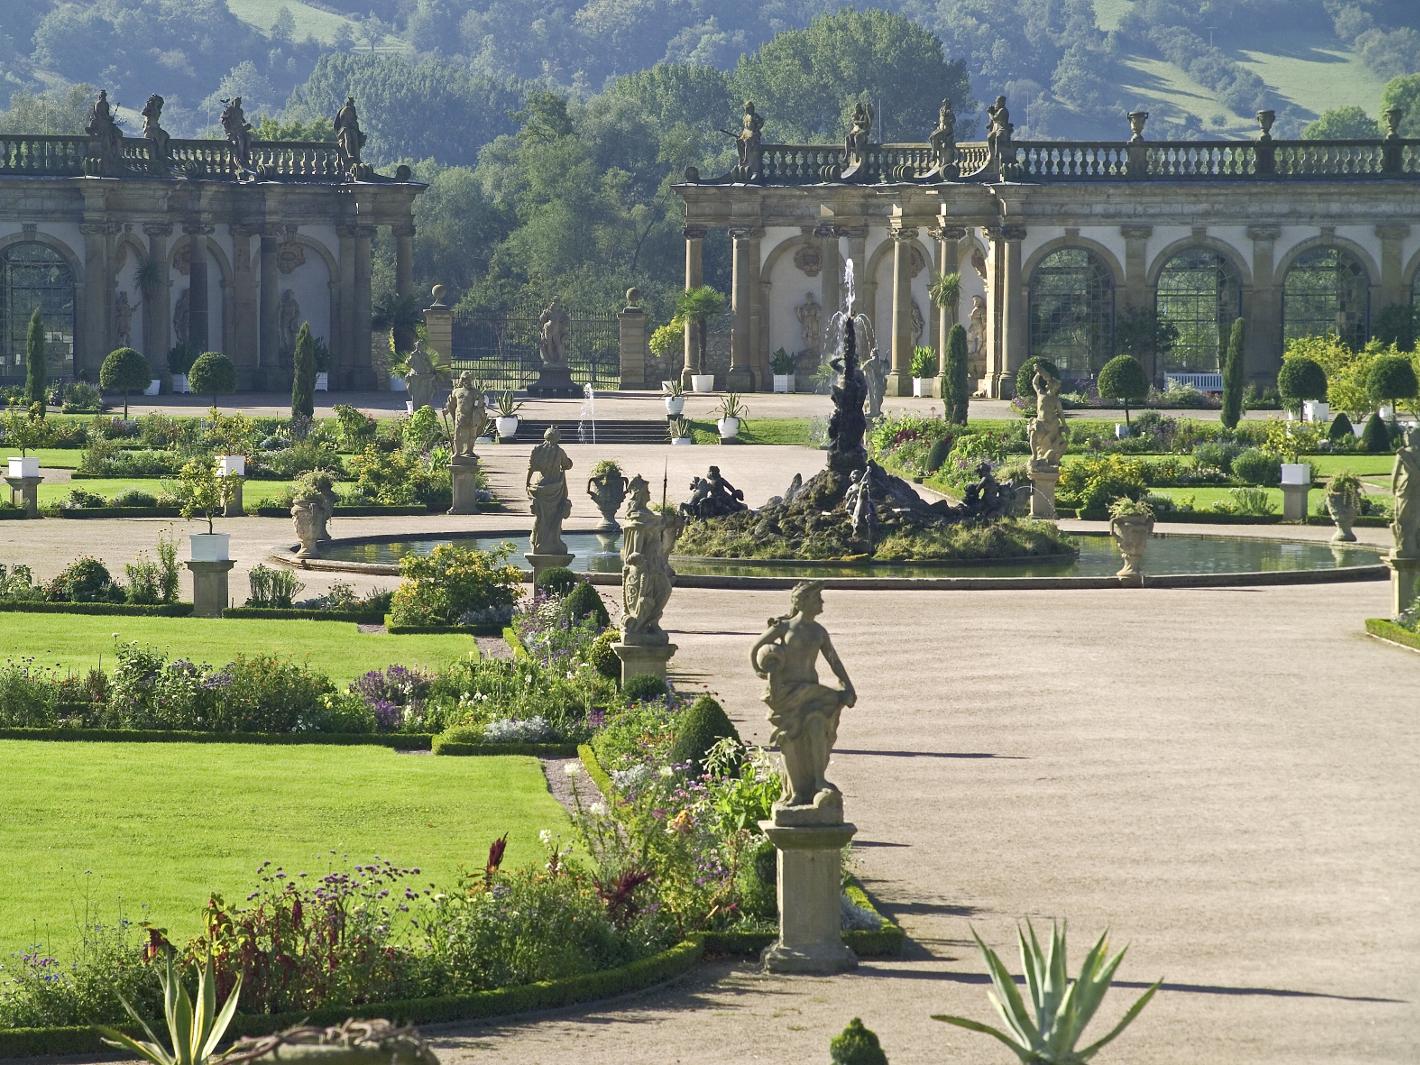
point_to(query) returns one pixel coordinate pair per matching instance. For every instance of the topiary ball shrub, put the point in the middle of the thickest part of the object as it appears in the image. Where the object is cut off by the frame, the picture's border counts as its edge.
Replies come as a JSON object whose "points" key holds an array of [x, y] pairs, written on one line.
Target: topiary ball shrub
{"points": [[212, 374], [1301, 379], [85, 580], [1025, 376], [556, 581], [1123, 381], [1392, 377], [1341, 428], [1255, 466], [644, 688], [124, 370], [856, 1045], [1375, 437], [602, 658], [699, 728], [583, 603]]}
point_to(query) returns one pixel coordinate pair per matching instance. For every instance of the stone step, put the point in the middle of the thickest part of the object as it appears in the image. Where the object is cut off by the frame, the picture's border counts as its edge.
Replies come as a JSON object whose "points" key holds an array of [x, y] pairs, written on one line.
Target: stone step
{"points": [[616, 431]]}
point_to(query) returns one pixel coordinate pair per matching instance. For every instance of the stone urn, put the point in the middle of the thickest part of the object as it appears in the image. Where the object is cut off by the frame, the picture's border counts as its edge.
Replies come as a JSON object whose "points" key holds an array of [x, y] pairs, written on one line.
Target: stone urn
{"points": [[307, 516], [1342, 508], [608, 491], [1131, 533]]}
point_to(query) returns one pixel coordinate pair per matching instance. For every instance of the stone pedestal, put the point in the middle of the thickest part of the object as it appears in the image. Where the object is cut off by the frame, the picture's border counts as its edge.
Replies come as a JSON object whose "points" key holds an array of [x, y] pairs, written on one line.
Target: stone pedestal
{"points": [[898, 384], [1404, 582], [639, 658], [542, 563], [739, 379], [234, 507], [1043, 477], [209, 587], [1294, 502], [24, 492], [463, 472], [554, 381], [809, 884]]}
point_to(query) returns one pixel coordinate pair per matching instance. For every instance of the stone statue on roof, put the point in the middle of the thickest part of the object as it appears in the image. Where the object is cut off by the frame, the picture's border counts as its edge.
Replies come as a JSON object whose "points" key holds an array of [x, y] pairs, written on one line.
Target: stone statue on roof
{"points": [[349, 138], [238, 131]]}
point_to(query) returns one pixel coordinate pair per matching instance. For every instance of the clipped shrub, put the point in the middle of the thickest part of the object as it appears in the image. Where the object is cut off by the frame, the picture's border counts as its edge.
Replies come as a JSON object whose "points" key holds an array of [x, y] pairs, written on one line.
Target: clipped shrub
{"points": [[754, 883], [1123, 381], [698, 729], [941, 449], [1375, 436], [1214, 455], [1233, 367], [303, 374], [212, 374], [85, 580], [1025, 376], [1300, 379], [36, 362], [124, 370], [602, 658], [956, 393], [584, 602], [1255, 466], [856, 1045], [452, 583], [557, 581], [1391, 377], [1341, 428], [644, 688]]}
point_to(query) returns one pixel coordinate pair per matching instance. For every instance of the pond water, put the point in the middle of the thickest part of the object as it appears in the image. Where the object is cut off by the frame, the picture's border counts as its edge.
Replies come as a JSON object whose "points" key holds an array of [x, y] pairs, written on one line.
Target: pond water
{"points": [[1098, 558]]}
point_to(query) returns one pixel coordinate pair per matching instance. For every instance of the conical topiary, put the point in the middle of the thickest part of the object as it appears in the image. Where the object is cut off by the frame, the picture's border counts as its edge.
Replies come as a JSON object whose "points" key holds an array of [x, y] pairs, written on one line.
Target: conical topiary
{"points": [[856, 1045], [700, 727], [1375, 437], [583, 603], [1341, 427]]}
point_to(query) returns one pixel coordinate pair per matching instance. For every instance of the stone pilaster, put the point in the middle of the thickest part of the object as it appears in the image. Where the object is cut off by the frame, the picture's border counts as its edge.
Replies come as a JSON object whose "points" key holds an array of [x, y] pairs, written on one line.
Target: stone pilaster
{"points": [[1137, 294], [1008, 320], [198, 333], [949, 240], [268, 363], [1391, 289], [158, 296], [362, 372], [439, 325], [246, 307], [94, 318], [694, 278], [345, 353], [404, 259], [632, 346], [830, 271], [1263, 306], [899, 380], [743, 286]]}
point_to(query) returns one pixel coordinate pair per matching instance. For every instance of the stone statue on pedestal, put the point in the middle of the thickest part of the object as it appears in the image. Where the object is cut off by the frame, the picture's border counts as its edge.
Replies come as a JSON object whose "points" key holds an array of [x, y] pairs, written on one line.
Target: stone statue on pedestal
{"points": [[944, 138], [804, 712], [749, 144], [349, 138], [1405, 483], [153, 130], [238, 131], [998, 135], [105, 138], [809, 314], [546, 485], [648, 538], [468, 412], [1047, 428], [422, 377], [288, 316], [123, 319], [976, 333], [552, 327], [712, 496], [856, 143]]}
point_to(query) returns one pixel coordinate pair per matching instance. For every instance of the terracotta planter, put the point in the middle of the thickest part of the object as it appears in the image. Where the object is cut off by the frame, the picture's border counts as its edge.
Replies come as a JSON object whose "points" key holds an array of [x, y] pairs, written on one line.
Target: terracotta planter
{"points": [[1131, 534], [1343, 513]]}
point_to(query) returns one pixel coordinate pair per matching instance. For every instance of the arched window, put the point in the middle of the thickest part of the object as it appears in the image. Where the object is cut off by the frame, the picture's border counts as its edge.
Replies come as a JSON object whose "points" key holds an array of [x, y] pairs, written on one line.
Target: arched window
{"points": [[1326, 291], [1072, 311], [35, 275], [1199, 295]]}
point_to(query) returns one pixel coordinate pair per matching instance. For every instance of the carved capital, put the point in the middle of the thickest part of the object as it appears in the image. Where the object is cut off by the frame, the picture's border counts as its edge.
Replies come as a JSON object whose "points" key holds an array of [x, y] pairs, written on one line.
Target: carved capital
{"points": [[693, 232], [346, 230], [93, 229], [158, 229], [1264, 233], [827, 231], [1136, 231], [246, 230], [903, 233], [950, 233], [740, 233], [364, 232], [197, 229], [1392, 231]]}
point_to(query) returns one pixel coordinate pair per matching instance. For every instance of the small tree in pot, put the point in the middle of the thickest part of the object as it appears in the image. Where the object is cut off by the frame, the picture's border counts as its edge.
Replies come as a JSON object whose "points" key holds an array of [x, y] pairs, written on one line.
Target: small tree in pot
{"points": [[1391, 379], [697, 306], [1299, 380], [124, 370], [214, 374]]}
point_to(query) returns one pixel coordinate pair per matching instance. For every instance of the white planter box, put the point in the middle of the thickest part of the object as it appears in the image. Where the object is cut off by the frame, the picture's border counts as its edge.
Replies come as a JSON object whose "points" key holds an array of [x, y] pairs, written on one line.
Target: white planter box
{"points": [[409, 406], [1315, 410], [397, 384], [25, 466], [154, 387], [1386, 411], [507, 427], [1121, 430], [1358, 427], [1296, 473], [783, 382], [729, 428], [702, 382], [231, 465], [683, 440], [675, 405], [178, 383], [211, 547], [322, 381], [922, 387]]}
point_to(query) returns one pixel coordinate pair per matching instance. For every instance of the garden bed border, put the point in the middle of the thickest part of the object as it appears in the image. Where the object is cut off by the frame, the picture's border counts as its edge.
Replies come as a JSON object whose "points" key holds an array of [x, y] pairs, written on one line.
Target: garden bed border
{"points": [[1388, 631]]}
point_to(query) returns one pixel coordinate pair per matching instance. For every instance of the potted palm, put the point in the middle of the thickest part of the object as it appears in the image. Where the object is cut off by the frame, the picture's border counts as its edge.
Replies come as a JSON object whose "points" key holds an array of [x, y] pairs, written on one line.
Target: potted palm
{"points": [[730, 414], [781, 363], [203, 494], [23, 430], [697, 306], [674, 395], [1343, 503], [507, 418], [1131, 523], [678, 430], [180, 358], [924, 370]]}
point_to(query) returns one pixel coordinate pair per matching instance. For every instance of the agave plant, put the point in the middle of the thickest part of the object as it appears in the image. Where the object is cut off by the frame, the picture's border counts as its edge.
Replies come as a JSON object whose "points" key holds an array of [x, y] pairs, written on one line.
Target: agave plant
{"points": [[193, 1033], [1046, 1033]]}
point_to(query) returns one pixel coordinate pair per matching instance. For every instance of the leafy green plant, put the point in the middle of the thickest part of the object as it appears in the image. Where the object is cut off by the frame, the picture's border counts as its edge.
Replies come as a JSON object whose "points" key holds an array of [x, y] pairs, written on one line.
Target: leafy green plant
{"points": [[856, 1045], [731, 406], [1347, 486], [272, 587], [1255, 466], [667, 339], [781, 362], [507, 404], [1025, 376], [201, 493], [945, 290], [124, 370], [698, 306], [1375, 435], [193, 1032], [1122, 381], [1061, 1008], [1124, 507], [924, 362], [1391, 379], [303, 374], [1234, 367], [1341, 429], [452, 582], [180, 358], [1249, 501], [698, 729], [677, 428], [23, 429], [672, 389]]}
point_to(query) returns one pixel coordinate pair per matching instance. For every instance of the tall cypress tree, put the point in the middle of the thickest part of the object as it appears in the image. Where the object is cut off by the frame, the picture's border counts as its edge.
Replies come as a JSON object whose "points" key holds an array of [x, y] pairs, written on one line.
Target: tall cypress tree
{"points": [[1233, 377], [956, 393], [36, 363], [303, 374]]}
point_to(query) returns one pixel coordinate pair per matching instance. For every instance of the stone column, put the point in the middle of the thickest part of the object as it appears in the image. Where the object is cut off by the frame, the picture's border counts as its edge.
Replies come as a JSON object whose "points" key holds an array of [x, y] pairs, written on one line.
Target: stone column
{"points": [[1009, 311], [439, 325], [158, 298], [899, 380], [830, 271], [362, 372], [1391, 287], [694, 278], [632, 345], [862, 283], [949, 240], [1262, 309], [94, 328], [344, 355], [246, 306], [269, 352], [745, 279], [1136, 281], [404, 258], [197, 298]]}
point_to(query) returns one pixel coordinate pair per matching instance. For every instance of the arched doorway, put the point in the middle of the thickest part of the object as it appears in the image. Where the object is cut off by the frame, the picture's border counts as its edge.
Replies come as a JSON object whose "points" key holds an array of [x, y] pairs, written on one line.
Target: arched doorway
{"points": [[35, 275], [1198, 293], [1072, 311], [1326, 290]]}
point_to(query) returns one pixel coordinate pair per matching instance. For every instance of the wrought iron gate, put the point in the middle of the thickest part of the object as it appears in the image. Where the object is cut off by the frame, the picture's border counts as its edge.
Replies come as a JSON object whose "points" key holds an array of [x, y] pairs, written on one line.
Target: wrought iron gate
{"points": [[502, 351]]}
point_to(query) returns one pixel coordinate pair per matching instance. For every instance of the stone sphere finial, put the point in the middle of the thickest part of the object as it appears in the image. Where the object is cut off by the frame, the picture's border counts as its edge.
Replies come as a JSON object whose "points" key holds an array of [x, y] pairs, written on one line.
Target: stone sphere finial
{"points": [[438, 293], [633, 297]]}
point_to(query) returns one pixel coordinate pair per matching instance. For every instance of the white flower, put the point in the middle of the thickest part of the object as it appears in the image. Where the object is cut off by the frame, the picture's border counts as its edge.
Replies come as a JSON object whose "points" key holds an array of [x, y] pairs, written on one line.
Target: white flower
{"points": [[667, 771], [597, 809], [545, 837], [572, 768]]}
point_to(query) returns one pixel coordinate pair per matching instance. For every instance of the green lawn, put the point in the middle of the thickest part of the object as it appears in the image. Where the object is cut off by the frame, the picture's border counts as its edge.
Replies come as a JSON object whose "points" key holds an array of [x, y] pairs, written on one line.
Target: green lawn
{"points": [[758, 431], [56, 458], [254, 493], [1207, 497], [337, 648], [151, 829]]}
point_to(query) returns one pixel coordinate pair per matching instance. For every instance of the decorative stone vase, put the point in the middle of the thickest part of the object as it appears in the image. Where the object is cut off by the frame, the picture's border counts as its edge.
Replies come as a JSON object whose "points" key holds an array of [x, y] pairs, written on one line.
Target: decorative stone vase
{"points": [[155, 386], [308, 527], [1296, 473], [608, 492], [1131, 534], [1343, 513], [178, 383], [783, 382], [26, 466], [231, 465], [507, 427], [322, 381], [702, 382], [675, 406], [210, 547], [729, 428]]}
